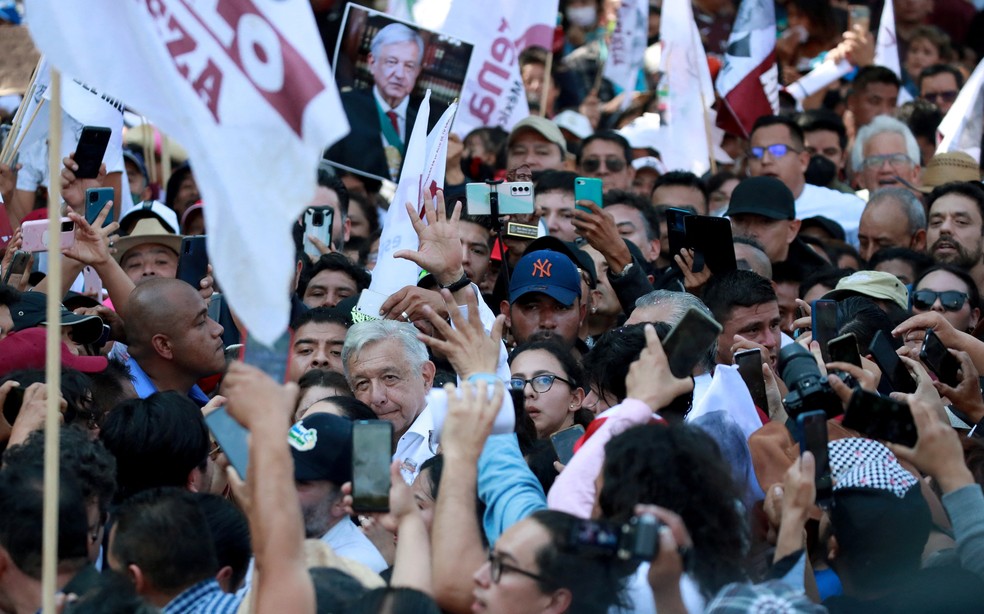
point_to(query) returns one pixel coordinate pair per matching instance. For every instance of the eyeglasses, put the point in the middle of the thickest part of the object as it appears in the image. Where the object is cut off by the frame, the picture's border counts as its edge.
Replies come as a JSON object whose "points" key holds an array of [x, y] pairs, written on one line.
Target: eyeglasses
{"points": [[540, 383], [951, 300], [776, 151], [937, 97], [497, 566], [613, 164], [894, 160]]}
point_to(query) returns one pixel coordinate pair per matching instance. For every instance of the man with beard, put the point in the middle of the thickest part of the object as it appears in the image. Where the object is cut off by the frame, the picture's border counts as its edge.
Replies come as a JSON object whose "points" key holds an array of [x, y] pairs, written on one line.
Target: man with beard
{"points": [[321, 445], [956, 226]]}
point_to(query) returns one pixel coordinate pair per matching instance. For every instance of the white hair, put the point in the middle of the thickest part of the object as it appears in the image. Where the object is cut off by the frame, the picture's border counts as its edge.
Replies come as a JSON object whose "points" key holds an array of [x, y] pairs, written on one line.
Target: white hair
{"points": [[366, 333], [882, 124], [396, 33], [914, 212]]}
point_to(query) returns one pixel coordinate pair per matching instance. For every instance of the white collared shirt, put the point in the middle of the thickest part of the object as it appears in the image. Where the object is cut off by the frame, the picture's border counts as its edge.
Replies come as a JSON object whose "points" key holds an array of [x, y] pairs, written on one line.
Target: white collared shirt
{"points": [[347, 541], [413, 448], [400, 110]]}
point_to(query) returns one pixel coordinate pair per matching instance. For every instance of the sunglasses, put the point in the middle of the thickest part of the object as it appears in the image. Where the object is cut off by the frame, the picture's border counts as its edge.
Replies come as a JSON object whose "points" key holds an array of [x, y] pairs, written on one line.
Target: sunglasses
{"points": [[951, 300], [591, 165], [937, 97], [776, 151]]}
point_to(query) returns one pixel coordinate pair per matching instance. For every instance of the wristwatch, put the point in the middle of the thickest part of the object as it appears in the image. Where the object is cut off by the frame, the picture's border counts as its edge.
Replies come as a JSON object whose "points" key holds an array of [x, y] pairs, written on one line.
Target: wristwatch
{"points": [[623, 273]]}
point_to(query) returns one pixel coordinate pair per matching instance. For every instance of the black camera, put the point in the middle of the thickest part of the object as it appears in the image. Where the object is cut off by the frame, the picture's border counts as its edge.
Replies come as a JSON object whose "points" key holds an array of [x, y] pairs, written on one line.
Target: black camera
{"points": [[809, 390], [636, 540]]}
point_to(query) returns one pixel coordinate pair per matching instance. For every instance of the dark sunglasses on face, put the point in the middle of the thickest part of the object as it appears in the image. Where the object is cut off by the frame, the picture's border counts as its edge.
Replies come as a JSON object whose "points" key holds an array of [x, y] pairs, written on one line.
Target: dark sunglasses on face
{"points": [[777, 151], [591, 165], [951, 300], [938, 97]]}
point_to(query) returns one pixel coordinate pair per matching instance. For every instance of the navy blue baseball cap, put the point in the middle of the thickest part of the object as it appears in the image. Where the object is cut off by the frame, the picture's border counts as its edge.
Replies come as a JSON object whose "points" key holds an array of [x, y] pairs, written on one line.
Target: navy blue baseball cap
{"points": [[321, 445], [547, 272]]}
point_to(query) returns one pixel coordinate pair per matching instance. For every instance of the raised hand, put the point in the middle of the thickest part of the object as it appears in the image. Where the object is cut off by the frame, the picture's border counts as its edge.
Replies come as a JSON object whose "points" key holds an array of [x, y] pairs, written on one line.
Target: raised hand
{"points": [[650, 380], [467, 346], [439, 247]]}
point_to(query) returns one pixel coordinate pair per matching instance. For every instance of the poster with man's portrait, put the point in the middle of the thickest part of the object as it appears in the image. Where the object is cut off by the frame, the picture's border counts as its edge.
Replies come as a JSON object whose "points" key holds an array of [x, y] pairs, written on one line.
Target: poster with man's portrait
{"points": [[383, 67]]}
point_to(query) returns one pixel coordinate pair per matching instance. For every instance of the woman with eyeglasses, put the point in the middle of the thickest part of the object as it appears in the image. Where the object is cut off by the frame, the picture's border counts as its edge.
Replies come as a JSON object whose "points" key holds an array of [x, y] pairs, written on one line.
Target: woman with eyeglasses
{"points": [[551, 381], [949, 291]]}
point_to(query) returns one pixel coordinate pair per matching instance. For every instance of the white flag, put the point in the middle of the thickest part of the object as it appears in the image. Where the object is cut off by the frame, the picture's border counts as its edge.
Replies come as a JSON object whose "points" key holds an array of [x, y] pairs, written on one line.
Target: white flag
{"points": [[688, 87], [749, 80], [493, 93], [963, 126], [887, 47], [627, 46], [423, 169], [246, 88]]}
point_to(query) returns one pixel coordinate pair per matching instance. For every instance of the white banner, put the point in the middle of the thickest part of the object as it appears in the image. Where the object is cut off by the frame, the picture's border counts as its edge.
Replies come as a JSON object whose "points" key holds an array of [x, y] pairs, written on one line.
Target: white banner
{"points": [[493, 93], [688, 87], [887, 47], [628, 46], [963, 125], [423, 169], [246, 88]]}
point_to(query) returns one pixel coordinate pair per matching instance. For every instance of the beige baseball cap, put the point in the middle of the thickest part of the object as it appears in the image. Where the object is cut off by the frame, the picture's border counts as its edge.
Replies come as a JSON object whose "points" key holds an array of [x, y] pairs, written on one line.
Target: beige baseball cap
{"points": [[542, 126], [872, 284]]}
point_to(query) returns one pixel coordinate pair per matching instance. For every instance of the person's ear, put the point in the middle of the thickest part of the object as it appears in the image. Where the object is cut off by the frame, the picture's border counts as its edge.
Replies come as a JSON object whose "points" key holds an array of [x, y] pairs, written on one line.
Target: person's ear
{"points": [[804, 159], [577, 398], [297, 274], [794, 228], [162, 346], [560, 601], [140, 584], [428, 370], [582, 312], [833, 549], [346, 230], [504, 310], [975, 316], [224, 578], [918, 240]]}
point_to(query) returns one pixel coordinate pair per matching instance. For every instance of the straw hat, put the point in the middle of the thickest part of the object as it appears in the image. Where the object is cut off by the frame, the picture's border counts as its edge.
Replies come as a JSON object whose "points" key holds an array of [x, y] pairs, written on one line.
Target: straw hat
{"points": [[948, 168]]}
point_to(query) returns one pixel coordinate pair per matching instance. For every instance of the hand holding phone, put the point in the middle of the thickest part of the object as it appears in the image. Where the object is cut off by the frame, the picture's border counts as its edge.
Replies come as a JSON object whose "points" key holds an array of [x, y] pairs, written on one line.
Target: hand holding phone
{"points": [[563, 442], [96, 200], [687, 343], [231, 437], [939, 360], [588, 188], [193, 261], [880, 417], [90, 151], [813, 439], [824, 324], [750, 368], [893, 369]]}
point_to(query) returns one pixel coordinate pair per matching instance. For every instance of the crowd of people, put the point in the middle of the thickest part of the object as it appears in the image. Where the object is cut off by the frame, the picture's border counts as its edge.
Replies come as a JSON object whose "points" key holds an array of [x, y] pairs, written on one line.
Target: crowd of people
{"points": [[547, 453]]}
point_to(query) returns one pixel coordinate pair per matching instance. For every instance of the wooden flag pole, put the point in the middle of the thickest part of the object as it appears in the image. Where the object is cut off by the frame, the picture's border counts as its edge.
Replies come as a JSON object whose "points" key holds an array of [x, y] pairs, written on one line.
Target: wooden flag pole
{"points": [[52, 374], [545, 94], [165, 160]]}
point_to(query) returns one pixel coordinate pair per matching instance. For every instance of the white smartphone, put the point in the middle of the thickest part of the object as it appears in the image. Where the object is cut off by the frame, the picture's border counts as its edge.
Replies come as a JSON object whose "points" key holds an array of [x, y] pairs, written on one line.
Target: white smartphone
{"points": [[317, 223], [515, 197]]}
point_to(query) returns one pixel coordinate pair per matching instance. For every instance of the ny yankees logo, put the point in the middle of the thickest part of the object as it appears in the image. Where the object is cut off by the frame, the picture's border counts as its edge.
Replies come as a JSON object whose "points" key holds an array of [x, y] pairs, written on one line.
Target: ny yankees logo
{"points": [[541, 268]]}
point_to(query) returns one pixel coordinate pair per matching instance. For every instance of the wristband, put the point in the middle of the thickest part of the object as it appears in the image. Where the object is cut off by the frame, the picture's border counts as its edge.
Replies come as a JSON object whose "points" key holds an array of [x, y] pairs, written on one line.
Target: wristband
{"points": [[458, 285], [490, 378]]}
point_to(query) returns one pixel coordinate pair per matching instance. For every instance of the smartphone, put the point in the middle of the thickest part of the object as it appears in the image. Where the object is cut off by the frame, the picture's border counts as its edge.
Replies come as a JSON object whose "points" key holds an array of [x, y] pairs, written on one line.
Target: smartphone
{"points": [[563, 442], [193, 260], [91, 283], [317, 223], [18, 264], [676, 230], [513, 197], [12, 404], [824, 324], [859, 14], [880, 417], [36, 235], [372, 453], [688, 341], [750, 368], [813, 438], [893, 369], [587, 188], [231, 437], [939, 360], [713, 244], [844, 349], [272, 360], [90, 151], [95, 200]]}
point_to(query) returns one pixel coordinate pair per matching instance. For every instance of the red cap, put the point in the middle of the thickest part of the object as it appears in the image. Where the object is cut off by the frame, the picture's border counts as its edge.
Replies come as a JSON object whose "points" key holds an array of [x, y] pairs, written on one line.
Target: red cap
{"points": [[26, 350]]}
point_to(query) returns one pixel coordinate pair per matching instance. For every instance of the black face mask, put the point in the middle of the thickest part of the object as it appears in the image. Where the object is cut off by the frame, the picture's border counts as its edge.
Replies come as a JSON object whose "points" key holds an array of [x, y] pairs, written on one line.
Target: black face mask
{"points": [[476, 170]]}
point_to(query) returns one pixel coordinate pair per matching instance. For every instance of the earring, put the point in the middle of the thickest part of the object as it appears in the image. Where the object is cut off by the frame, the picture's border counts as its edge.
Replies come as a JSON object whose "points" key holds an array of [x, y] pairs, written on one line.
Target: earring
{"points": [[594, 309]]}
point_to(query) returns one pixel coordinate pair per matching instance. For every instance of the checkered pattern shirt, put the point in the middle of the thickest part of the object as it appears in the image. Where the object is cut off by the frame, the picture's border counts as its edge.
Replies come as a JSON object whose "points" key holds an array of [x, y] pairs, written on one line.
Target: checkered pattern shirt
{"points": [[204, 598]]}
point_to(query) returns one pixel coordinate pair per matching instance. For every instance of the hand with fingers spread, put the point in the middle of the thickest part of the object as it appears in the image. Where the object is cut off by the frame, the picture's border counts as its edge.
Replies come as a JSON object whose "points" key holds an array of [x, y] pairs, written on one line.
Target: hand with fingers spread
{"points": [[966, 396], [92, 242], [671, 560], [938, 451], [73, 188], [439, 248], [467, 346], [650, 380]]}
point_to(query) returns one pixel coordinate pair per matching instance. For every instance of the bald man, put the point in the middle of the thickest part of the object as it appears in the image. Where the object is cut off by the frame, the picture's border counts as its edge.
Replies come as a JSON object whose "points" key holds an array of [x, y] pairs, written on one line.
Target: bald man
{"points": [[173, 342]]}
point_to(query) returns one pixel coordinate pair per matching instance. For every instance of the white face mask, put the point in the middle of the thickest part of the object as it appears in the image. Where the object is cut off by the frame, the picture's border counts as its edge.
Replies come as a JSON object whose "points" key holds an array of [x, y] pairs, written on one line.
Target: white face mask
{"points": [[582, 16]]}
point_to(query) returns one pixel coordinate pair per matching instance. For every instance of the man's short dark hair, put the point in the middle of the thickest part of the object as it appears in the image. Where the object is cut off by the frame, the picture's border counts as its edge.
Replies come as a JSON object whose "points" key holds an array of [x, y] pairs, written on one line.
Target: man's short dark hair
{"points": [[873, 74], [165, 533], [555, 181], [795, 132], [335, 262], [816, 120], [939, 69], [230, 534], [826, 277], [922, 117], [533, 55], [321, 315], [21, 511], [91, 464], [640, 204], [968, 189], [328, 179], [919, 261], [157, 441], [109, 386], [8, 295], [736, 289], [610, 136], [683, 179]]}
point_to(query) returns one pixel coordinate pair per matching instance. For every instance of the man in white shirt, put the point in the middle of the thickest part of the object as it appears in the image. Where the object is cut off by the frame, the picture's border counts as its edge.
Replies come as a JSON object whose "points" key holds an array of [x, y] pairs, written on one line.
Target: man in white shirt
{"points": [[321, 445], [777, 150]]}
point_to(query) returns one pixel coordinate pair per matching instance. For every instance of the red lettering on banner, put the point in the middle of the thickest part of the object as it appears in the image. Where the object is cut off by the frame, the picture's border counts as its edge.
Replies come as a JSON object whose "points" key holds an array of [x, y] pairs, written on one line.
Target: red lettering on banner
{"points": [[182, 45], [208, 85]]}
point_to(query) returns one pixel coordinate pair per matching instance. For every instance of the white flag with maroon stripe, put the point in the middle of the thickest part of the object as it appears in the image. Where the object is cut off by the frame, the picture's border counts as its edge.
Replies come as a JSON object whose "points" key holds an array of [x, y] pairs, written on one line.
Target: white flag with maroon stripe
{"points": [[749, 80]]}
